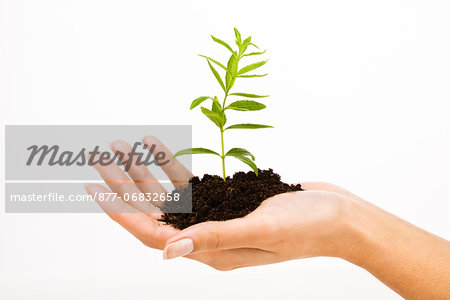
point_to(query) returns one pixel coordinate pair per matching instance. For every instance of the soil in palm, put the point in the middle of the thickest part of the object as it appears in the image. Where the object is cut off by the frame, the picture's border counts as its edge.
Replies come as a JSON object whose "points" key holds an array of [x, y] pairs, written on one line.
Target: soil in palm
{"points": [[216, 200]]}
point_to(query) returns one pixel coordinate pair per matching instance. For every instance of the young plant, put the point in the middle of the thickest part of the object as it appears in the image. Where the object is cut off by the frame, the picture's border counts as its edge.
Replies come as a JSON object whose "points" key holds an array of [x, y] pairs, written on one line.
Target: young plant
{"points": [[217, 113]]}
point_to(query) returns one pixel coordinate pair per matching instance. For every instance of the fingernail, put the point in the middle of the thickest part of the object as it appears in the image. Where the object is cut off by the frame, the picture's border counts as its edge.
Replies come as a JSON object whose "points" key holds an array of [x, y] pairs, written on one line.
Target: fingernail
{"points": [[179, 248]]}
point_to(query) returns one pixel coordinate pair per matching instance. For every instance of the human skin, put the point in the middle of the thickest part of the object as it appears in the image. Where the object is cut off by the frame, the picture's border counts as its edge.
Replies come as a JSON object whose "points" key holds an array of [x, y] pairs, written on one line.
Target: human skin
{"points": [[323, 220]]}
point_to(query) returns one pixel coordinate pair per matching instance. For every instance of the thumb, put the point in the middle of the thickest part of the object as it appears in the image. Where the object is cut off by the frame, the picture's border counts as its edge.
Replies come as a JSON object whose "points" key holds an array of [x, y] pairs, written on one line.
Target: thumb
{"points": [[209, 236]]}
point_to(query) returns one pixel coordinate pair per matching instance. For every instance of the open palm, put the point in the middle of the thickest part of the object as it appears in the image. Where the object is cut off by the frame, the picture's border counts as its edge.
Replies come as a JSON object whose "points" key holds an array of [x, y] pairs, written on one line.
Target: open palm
{"points": [[286, 226]]}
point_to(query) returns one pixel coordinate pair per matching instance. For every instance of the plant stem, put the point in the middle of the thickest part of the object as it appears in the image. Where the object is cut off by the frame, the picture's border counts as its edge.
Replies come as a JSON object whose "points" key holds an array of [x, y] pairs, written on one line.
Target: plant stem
{"points": [[224, 100], [221, 140], [223, 155]]}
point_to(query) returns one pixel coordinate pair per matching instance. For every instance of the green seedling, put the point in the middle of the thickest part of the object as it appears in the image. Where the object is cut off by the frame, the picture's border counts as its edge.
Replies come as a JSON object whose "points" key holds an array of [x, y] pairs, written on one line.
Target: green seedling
{"points": [[217, 113]]}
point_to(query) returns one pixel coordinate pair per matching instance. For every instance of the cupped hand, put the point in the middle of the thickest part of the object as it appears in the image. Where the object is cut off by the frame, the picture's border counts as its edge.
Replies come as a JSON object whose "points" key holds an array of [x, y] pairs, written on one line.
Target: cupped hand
{"points": [[286, 226]]}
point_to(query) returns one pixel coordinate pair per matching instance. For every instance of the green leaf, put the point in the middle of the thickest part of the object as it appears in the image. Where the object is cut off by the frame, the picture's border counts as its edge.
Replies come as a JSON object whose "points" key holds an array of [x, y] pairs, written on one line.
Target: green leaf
{"points": [[255, 53], [217, 101], [216, 107], [254, 45], [249, 95], [246, 105], [248, 126], [214, 117], [222, 43], [251, 76], [238, 37], [199, 100], [217, 76], [214, 61], [195, 151], [240, 151], [232, 66], [247, 161], [245, 44], [251, 67]]}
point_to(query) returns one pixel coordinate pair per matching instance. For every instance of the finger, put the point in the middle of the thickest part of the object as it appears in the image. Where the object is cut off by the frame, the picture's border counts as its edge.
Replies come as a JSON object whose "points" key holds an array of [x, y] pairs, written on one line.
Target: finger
{"points": [[138, 224], [211, 236], [121, 184], [328, 187], [230, 259], [144, 180], [178, 174]]}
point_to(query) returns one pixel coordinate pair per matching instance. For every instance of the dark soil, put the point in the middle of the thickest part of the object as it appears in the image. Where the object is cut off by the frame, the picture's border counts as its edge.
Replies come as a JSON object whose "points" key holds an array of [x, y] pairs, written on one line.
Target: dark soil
{"points": [[216, 200]]}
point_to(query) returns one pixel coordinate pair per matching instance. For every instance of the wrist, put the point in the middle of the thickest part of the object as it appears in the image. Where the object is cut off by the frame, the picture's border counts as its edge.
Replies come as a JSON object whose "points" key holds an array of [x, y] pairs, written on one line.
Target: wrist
{"points": [[356, 236], [402, 256]]}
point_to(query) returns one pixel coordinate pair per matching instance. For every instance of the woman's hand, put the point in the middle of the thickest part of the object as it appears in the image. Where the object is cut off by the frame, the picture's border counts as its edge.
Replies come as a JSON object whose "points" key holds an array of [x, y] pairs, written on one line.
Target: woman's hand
{"points": [[140, 218], [323, 220], [286, 226]]}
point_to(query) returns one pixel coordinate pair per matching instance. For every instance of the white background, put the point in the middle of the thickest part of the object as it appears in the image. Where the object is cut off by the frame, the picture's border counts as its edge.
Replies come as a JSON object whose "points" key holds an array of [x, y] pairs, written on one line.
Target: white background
{"points": [[359, 97]]}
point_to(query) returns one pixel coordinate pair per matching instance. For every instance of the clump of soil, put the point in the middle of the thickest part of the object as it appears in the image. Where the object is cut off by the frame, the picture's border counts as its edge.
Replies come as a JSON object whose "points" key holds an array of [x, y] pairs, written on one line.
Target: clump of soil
{"points": [[216, 200]]}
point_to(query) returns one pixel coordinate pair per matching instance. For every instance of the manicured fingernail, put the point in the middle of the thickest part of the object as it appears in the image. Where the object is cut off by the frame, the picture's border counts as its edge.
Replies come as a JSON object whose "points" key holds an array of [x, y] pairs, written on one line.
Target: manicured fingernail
{"points": [[179, 248]]}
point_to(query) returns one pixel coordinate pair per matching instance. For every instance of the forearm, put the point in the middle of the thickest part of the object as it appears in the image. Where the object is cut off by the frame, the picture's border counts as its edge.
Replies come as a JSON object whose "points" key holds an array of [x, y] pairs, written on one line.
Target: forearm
{"points": [[409, 260]]}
